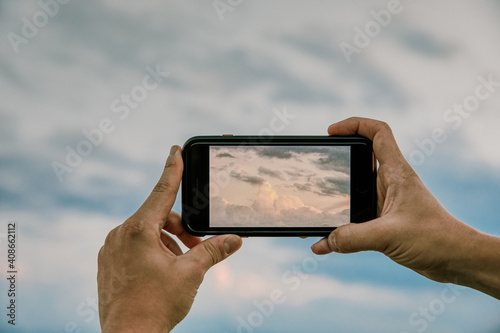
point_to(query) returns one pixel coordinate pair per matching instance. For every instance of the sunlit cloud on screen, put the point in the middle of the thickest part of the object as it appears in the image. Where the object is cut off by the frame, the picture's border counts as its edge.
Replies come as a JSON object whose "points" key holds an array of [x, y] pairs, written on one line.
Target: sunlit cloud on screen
{"points": [[280, 186]]}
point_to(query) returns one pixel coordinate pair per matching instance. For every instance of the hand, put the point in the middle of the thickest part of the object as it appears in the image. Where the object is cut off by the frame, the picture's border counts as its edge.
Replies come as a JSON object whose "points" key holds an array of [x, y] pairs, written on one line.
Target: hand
{"points": [[145, 282], [413, 228]]}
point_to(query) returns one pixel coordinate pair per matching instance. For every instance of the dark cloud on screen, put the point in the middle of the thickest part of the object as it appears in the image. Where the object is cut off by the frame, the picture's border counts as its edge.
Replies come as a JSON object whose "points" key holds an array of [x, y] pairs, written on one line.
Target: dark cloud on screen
{"points": [[335, 159], [333, 186], [269, 172], [252, 180], [222, 155], [303, 187], [275, 152]]}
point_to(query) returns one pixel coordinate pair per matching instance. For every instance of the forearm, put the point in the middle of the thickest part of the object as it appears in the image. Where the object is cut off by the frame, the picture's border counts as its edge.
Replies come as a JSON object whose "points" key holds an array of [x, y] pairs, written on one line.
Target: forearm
{"points": [[479, 267]]}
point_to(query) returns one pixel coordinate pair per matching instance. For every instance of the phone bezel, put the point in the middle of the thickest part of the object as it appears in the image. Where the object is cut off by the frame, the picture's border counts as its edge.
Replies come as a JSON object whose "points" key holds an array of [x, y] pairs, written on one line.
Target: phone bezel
{"points": [[195, 182]]}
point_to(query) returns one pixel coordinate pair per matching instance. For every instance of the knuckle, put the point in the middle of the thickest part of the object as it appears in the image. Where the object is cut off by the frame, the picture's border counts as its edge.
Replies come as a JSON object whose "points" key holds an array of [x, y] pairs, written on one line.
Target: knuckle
{"points": [[384, 125], [341, 242], [343, 239], [213, 252], [108, 241], [163, 186], [170, 163], [384, 129], [133, 229], [407, 173]]}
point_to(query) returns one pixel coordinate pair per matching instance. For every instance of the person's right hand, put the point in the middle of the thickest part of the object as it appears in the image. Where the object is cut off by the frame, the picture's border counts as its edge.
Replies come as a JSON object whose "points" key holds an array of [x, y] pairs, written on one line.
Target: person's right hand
{"points": [[413, 228]]}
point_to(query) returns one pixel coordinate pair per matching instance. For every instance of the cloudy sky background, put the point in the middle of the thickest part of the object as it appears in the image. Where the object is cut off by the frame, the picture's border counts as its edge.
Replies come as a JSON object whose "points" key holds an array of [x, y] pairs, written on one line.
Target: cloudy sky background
{"points": [[279, 186], [233, 73]]}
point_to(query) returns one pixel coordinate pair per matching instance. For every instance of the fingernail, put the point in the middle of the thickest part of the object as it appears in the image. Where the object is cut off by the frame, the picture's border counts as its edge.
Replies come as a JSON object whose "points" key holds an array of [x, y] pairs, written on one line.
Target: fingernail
{"points": [[232, 243], [173, 150], [332, 242]]}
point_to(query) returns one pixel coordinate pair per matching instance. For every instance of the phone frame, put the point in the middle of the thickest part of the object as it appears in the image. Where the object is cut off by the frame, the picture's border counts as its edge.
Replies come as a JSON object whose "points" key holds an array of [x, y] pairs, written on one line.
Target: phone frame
{"points": [[195, 198]]}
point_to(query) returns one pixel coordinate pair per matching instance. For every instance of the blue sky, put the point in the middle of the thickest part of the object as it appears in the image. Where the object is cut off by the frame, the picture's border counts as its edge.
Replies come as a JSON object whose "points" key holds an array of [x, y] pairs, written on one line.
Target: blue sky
{"points": [[232, 72]]}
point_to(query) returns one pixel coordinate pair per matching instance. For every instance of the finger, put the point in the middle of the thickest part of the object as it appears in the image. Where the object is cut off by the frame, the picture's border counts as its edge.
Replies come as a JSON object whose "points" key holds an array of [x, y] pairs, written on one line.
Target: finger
{"points": [[157, 206], [170, 244], [213, 250], [322, 247], [174, 226], [355, 237], [384, 143]]}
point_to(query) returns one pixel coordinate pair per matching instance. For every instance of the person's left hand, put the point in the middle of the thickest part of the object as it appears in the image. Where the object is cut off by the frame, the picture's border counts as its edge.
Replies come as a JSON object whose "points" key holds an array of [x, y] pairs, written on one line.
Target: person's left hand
{"points": [[145, 282]]}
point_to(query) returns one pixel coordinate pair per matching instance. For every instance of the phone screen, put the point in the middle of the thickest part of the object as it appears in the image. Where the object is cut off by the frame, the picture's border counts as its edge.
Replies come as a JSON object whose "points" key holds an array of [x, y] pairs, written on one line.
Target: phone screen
{"points": [[279, 186]]}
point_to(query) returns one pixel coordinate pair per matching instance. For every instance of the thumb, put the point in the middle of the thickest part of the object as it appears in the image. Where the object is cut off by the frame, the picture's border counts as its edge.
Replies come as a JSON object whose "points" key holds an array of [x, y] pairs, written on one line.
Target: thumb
{"points": [[354, 237], [213, 250]]}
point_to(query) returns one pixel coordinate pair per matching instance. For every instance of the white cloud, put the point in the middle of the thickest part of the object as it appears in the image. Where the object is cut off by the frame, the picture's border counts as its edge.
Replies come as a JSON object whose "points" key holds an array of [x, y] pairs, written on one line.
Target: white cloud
{"points": [[268, 208], [268, 201]]}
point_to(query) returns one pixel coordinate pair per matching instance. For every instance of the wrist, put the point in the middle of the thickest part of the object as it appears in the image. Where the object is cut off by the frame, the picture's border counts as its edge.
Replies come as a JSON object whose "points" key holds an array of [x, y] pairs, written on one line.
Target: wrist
{"points": [[126, 322], [126, 328], [131, 327], [477, 263]]}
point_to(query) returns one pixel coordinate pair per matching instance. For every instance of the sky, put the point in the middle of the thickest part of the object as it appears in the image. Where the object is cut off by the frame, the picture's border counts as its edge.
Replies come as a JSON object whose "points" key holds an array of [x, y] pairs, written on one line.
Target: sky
{"points": [[279, 186], [94, 94]]}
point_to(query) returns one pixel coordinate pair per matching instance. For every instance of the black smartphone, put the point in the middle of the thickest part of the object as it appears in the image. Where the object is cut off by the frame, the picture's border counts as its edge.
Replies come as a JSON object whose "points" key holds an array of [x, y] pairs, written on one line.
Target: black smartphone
{"points": [[277, 185]]}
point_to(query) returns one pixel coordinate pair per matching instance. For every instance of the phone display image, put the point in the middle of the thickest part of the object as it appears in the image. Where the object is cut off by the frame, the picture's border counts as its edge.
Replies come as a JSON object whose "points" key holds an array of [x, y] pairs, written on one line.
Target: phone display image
{"points": [[276, 186], [280, 186]]}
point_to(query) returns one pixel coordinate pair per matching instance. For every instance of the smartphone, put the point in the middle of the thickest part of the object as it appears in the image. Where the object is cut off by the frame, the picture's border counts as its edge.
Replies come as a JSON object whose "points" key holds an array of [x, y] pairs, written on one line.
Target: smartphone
{"points": [[277, 185]]}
